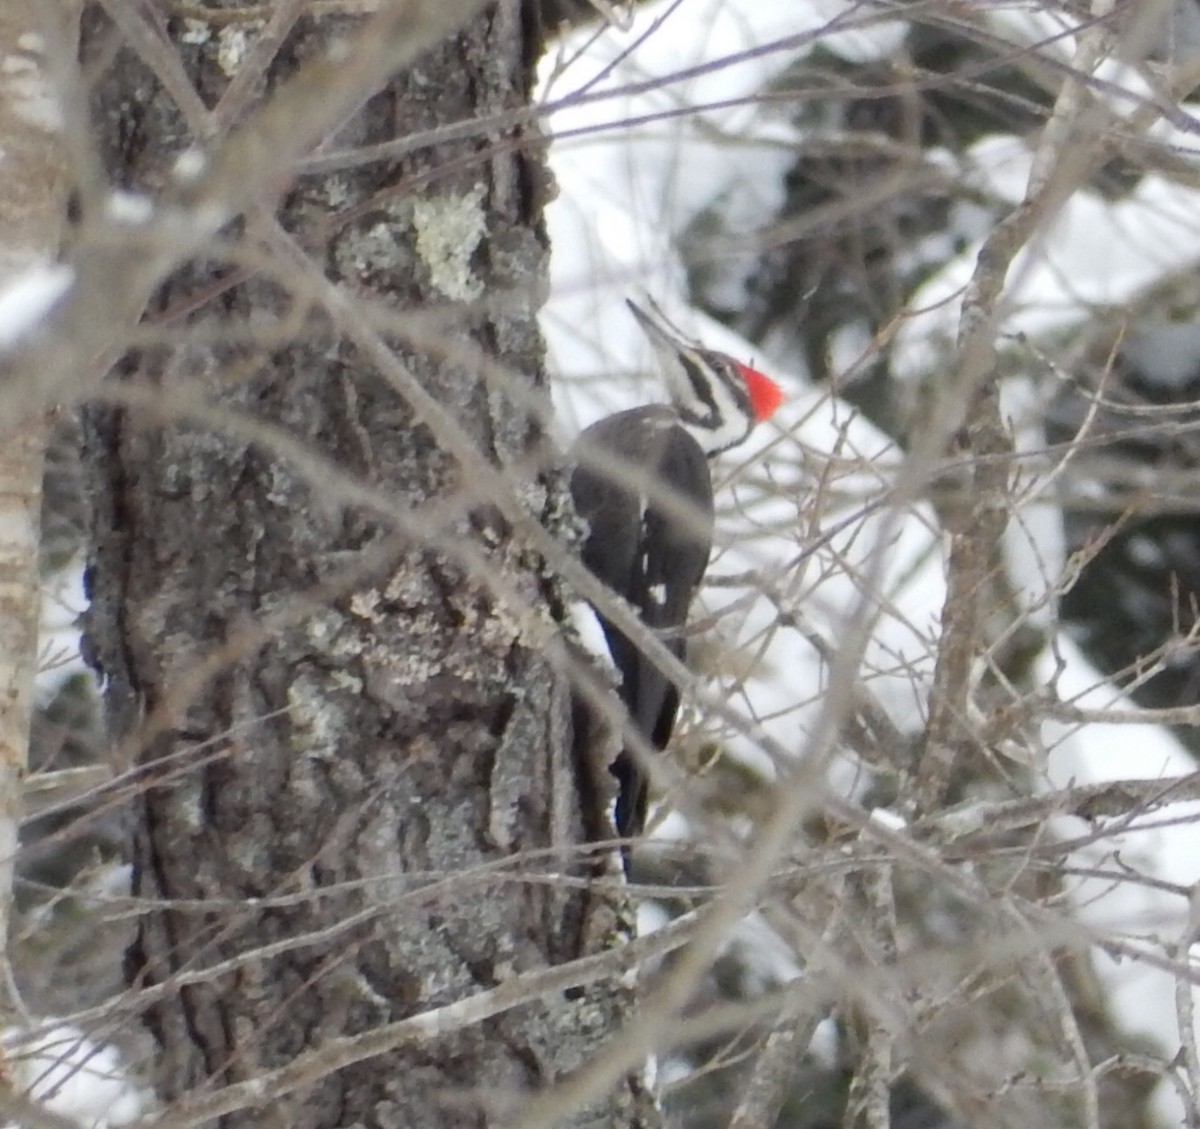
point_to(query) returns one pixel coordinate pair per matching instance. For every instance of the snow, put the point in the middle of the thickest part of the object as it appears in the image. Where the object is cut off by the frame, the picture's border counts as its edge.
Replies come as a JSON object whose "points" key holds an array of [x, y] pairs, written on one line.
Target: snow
{"points": [[617, 184], [63, 602], [632, 176], [833, 557], [1035, 550], [192, 163], [132, 209], [29, 95], [59, 1068], [773, 962], [589, 631], [1091, 254], [1166, 355], [632, 173], [27, 300], [1094, 253], [1163, 848], [888, 819], [1029, 25]]}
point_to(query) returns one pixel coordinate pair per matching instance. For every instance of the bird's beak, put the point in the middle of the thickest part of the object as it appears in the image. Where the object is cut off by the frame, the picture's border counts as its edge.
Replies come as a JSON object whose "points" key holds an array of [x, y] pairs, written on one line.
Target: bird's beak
{"points": [[660, 331]]}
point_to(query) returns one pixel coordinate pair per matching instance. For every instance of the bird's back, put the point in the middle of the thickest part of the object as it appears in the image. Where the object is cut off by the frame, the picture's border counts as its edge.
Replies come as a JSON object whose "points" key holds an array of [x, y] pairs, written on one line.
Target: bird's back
{"points": [[641, 484]]}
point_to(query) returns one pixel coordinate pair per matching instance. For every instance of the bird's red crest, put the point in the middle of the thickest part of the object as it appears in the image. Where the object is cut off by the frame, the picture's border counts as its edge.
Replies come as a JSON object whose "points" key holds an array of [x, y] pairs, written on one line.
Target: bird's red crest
{"points": [[765, 394]]}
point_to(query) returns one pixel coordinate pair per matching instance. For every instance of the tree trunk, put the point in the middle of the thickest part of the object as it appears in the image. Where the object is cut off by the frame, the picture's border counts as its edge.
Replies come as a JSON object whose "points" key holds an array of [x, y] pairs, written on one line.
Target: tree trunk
{"points": [[322, 639]]}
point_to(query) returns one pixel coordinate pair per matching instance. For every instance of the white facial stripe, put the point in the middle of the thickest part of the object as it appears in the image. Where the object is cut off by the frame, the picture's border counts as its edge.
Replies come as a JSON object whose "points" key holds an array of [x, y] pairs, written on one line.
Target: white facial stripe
{"points": [[707, 391], [704, 392]]}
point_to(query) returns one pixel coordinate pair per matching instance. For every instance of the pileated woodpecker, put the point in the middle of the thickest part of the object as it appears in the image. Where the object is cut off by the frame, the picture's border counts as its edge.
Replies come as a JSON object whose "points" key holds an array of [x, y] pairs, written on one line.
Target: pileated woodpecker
{"points": [[641, 483]]}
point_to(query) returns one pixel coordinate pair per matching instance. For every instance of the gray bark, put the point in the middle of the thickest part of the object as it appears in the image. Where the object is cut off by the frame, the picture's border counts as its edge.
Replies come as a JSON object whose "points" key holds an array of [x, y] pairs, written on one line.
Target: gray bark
{"points": [[335, 722]]}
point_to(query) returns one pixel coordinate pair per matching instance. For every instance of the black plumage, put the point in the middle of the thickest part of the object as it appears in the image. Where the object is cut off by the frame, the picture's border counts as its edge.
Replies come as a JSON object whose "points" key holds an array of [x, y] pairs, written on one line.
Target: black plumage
{"points": [[641, 484]]}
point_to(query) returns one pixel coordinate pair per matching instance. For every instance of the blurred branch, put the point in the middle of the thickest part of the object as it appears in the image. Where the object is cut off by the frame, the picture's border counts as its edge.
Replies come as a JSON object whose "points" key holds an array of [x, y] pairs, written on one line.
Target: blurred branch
{"points": [[1065, 155], [32, 207]]}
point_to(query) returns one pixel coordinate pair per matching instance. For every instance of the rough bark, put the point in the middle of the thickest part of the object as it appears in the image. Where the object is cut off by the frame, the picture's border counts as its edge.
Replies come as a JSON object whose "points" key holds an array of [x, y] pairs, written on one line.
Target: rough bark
{"points": [[337, 721]]}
